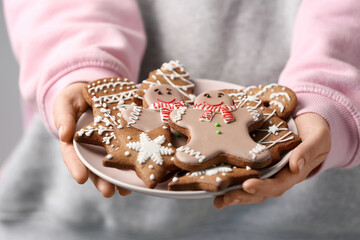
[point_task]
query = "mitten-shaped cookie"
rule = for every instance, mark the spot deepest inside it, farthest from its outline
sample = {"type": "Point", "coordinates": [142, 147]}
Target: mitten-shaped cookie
{"type": "Point", "coordinates": [107, 97]}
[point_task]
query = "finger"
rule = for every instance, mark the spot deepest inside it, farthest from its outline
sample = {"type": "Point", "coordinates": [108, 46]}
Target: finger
{"type": "Point", "coordinates": [76, 168]}
{"type": "Point", "coordinates": [315, 135]}
{"type": "Point", "coordinates": [107, 189]}
{"type": "Point", "coordinates": [219, 202]}
{"type": "Point", "coordinates": [68, 107]}
{"type": "Point", "coordinates": [237, 197]}
{"type": "Point", "coordinates": [272, 187]}
{"type": "Point", "coordinates": [123, 192]}
{"type": "Point", "coordinates": [64, 117]}
{"type": "Point", "coordinates": [283, 181]}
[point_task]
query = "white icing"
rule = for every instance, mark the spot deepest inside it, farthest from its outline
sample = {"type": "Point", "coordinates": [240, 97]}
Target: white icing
{"type": "Point", "coordinates": [107, 140]}
{"type": "Point", "coordinates": [107, 85]}
{"type": "Point", "coordinates": [278, 104]}
{"type": "Point", "coordinates": [218, 179]}
{"type": "Point", "coordinates": [109, 156]}
{"type": "Point", "coordinates": [191, 152]}
{"type": "Point", "coordinates": [118, 97]}
{"type": "Point", "coordinates": [283, 94]}
{"type": "Point", "coordinates": [256, 150]}
{"type": "Point", "coordinates": [212, 171]}
{"type": "Point", "coordinates": [175, 179]}
{"type": "Point", "coordinates": [134, 115]}
{"type": "Point", "coordinates": [148, 148]}
{"type": "Point", "coordinates": [248, 168]}
{"type": "Point", "coordinates": [267, 87]}
{"type": "Point", "coordinates": [127, 153]}
{"type": "Point", "coordinates": [169, 77]}
{"type": "Point", "coordinates": [181, 111]}
{"type": "Point", "coordinates": [279, 140]}
{"type": "Point", "coordinates": [152, 177]}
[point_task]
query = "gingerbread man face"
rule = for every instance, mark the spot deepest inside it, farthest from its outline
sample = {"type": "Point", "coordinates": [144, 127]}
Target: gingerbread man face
{"type": "Point", "coordinates": [213, 98]}
{"type": "Point", "coordinates": [163, 94]}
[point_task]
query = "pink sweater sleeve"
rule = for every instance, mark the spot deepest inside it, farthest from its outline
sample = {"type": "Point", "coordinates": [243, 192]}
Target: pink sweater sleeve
{"type": "Point", "coordinates": [65, 41]}
{"type": "Point", "coordinates": [324, 71]}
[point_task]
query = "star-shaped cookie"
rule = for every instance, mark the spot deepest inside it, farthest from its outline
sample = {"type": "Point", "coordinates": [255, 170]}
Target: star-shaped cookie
{"type": "Point", "coordinates": [145, 138]}
{"type": "Point", "coordinates": [216, 178]}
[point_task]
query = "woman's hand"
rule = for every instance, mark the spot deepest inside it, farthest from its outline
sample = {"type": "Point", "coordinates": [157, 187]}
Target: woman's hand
{"type": "Point", "coordinates": [315, 135]}
{"type": "Point", "coordinates": [68, 107]}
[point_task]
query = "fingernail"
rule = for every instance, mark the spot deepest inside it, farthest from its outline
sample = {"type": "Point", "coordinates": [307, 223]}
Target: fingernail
{"type": "Point", "coordinates": [61, 129]}
{"type": "Point", "coordinates": [301, 163]}
{"type": "Point", "coordinates": [251, 190]}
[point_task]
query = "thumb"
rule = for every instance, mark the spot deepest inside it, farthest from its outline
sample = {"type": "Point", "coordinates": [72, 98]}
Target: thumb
{"type": "Point", "coordinates": [315, 135]}
{"type": "Point", "coordinates": [68, 106]}
{"type": "Point", "coordinates": [64, 117]}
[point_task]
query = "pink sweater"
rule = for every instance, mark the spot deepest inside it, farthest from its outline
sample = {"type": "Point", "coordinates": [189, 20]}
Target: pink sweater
{"type": "Point", "coordinates": [61, 42]}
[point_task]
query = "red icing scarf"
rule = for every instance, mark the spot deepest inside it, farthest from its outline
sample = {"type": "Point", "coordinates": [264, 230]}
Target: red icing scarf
{"type": "Point", "coordinates": [209, 111]}
{"type": "Point", "coordinates": [165, 109]}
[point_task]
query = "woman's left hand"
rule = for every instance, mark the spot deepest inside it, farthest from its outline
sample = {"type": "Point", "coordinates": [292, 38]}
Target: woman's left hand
{"type": "Point", "coordinates": [305, 158]}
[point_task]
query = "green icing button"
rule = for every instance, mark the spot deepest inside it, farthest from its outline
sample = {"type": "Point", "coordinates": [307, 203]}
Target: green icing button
{"type": "Point", "coordinates": [177, 135]}
{"type": "Point", "coordinates": [218, 132]}
{"type": "Point", "coordinates": [217, 124]}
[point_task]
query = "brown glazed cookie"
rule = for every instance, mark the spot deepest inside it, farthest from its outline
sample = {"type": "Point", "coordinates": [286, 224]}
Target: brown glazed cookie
{"type": "Point", "coordinates": [274, 96]}
{"type": "Point", "coordinates": [213, 179]}
{"type": "Point", "coordinates": [107, 97]}
{"type": "Point", "coordinates": [218, 132]}
{"type": "Point", "coordinates": [145, 138]}
{"type": "Point", "coordinates": [274, 133]}
{"type": "Point", "coordinates": [172, 73]}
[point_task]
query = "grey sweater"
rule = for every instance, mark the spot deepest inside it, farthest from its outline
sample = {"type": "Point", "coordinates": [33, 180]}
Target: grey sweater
{"type": "Point", "coordinates": [244, 42]}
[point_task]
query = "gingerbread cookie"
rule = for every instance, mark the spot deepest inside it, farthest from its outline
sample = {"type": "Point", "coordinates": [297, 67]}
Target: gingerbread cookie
{"type": "Point", "coordinates": [215, 178]}
{"type": "Point", "coordinates": [274, 133]}
{"type": "Point", "coordinates": [279, 98]}
{"type": "Point", "coordinates": [172, 73]}
{"type": "Point", "coordinates": [107, 97]}
{"type": "Point", "coordinates": [218, 132]}
{"type": "Point", "coordinates": [145, 138]}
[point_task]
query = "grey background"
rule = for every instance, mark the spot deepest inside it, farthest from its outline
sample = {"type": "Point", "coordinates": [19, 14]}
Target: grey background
{"type": "Point", "coordinates": [10, 120]}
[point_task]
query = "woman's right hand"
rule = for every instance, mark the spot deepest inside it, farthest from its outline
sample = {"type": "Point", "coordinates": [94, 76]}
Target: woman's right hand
{"type": "Point", "coordinates": [68, 107]}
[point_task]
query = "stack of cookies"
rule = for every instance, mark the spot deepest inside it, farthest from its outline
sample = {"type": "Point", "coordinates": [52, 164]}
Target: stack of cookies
{"type": "Point", "coordinates": [163, 131]}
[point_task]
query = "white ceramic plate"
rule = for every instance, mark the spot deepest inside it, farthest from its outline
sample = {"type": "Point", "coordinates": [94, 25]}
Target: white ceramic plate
{"type": "Point", "coordinates": [92, 157]}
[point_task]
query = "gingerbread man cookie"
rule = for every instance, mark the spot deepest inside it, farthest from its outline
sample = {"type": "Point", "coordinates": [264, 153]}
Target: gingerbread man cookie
{"type": "Point", "coordinates": [172, 73]}
{"type": "Point", "coordinates": [107, 97]}
{"type": "Point", "coordinates": [275, 133]}
{"type": "Point", "coordinates": [145, 138]}
{"type": "Point", "coordinates": [215, 178]}
{"type": "Point", "coordinates": [218, 132]}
